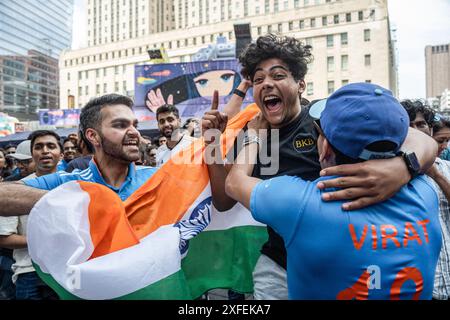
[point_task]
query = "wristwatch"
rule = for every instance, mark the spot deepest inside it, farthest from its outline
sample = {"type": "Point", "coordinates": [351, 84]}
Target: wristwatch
{"type": "Point", "coordinates": [411, 162]}
{"type": "Point", "coordinates": [239, 93]}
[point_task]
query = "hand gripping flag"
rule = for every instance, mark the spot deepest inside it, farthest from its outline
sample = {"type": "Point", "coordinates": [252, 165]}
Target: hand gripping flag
{"type": "Point", "coordinates": [166, 241]}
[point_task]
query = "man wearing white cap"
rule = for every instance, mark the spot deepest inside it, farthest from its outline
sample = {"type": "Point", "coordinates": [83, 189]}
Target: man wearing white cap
{"type": "Point", "coordinates": [24, 161]}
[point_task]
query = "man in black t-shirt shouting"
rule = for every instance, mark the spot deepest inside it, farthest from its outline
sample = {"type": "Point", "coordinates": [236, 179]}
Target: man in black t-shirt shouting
{"type": "Point", "coordinates": [276, 67]}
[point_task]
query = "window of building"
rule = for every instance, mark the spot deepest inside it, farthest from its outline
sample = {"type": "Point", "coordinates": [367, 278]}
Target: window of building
{"type": "Point", "coordinates": [280, 27]}
{"type": "Point", "coordinates": [97, 89]}
{"type": "Point", "coordinates": [105, 88]}
{"type": "Point", "coordinates": [330, 40]}
{"type": "Point", "coordinates": [344, 82]}
{"type": "Point", "coordinates": [97, 73]}
{"type": "Point", "coordinates": [344, 39]}
{"type": "Point", "coordinates": [324, 21]}
{"type": "Point", "coordinates": [116, 87]}
{"type": "Point", "coordinates": [275, 5]}
{"type": "Point", "coordinates": [330, 64]}
{"type": "Point", "coordinates": [344, 62]}
{"type": "Point", "coordinates": [330, 87]}
{"type": "Point", "coordinates": [306, 2]}
{"type": "Point", "coordinates": [313, 22]}
{"type": "Point", "coordinates": [124, 86]}
{"type": "Point", "coordinates": [68, 76]}
{"type": "Point", "coordinates": [259, 31]}
{"type": "Point", "coordinates": [348, 17]}
{"type": "Point", "coordinates": [116, 70]}
{"type": "Point", "coordinates": [291, 25]}
{"type": "Point", "coordinates": [80, 91]}
{"type": "Point", "coordinates": [367, 35]}
{"type": "Point", "coordinates": [368, 81]}
{"type": "Point", "coordinates": [367, 60]}
{"type": "Point", "coordinates": [336, 19]}
{"type": "Point", "coordinates": [296, 3]}
{"type": "Point", "coordinates": [86, 90]}
{"type": "Point", "coordinates": [269, 29]}
{"type": "Point", "coordinates": [310, 88]}
{"type": "Point", "coordinates": [360, 15]}
{"type": "Point", "coordinates": [308, 41]}
{"type": "Point", "coordinates": [80, 75]}
{"type": "Point", "coordinates": [301, 24]}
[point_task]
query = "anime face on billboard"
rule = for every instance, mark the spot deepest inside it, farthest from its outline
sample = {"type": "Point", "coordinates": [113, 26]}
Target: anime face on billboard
{"type": "Point", "coordinates": [189, 86]}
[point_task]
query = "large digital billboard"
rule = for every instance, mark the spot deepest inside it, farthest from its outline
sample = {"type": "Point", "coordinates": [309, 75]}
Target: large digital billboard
{"type": "Point", "coordinates": [189, 86]}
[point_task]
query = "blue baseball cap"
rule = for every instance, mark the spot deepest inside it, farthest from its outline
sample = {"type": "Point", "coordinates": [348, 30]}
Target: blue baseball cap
{"type": "Point", "coordinates": [360, 114]}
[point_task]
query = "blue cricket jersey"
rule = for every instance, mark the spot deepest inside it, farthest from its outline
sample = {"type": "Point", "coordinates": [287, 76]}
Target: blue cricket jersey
{"type": "Point", "coordinates": [385, 251]}
{"type": "Point", "coordinates": [136, 177]}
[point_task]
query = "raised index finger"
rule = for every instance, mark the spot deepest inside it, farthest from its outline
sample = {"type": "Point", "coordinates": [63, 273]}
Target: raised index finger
{"type": "Point", "coordinates": [215, 100]}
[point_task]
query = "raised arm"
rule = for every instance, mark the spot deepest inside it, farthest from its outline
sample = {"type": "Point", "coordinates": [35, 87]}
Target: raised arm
{"type": "Point", "coordinates": [240, 184]}
{"type": "Point", "coordinates": [233, 106]}
{"type": "Point", "coordinates": [213, 125]}
{"type": "Point", "coordinates": [17, 199]}
{"type": "Point", "coordinates": [375, 181]}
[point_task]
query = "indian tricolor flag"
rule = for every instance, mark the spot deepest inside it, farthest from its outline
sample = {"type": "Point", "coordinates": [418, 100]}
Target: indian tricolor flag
{"type": "Point", "coordinates": [165, 242]}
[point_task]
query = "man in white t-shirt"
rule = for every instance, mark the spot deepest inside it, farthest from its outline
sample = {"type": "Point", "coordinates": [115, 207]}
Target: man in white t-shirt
{"type": "Point", "coordinates": [45, 149]}
{"type": "Point", "coordinates": [169, 124]}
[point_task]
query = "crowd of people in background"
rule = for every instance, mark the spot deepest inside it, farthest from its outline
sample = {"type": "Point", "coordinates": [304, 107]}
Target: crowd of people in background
{"type": "Point", "coordinates": [109, 146]}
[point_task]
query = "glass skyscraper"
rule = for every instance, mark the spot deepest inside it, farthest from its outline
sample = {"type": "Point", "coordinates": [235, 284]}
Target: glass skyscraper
{"type": "Point", "coordinates": [32, 35]}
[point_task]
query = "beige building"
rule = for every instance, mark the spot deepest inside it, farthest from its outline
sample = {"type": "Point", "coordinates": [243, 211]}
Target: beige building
{"type": "Point", "coordinates": [437, 63]}
{"type": "Point", "coordinates": [118, 20]}
{"type": "Point", "coordinates": [445, 101]}
{"type": "Point", "coordinates": [351, 42]}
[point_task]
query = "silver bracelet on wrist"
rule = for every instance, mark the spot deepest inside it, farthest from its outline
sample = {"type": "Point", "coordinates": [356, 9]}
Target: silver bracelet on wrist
{"type": "Point", "coordinates": [248, 139]}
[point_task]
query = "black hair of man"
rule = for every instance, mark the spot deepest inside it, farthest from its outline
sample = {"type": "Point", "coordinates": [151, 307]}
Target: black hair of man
{"type": "Point", "coordinates": [413, 107]}
{"type": "Point", "coordinates": [10, 146]}
{"type": "Point", "coordinates": [441, 124]}
{"type": "Point", "coordinates": [290, 50]}
{"type": "Point", "coordinates": [167, 108]}
{"type": "Point", "coordinates": [41, 133]}
{"type": "Point", "coordinates": [68, 140]}
{"type": "Point", "coordinates": [150, 148]}
{"type": "Point", "coordinates": [91, 116]}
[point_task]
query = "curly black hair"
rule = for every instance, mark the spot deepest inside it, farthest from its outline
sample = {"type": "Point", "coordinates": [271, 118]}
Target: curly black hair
{"type": "Point", "coordinates": [290, 50]}
{"type": "Point", "coordinates": [413, 107]}
{"type": "Point", "coordinates": [441, 124]}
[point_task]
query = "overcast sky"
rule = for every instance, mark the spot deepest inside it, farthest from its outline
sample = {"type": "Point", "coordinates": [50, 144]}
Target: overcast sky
{"type": "Point", "coordinates": [419, 23]}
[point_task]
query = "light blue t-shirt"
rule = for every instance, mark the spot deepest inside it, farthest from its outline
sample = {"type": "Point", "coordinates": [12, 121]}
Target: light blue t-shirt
{"type": "Point", "coordinates": [62, 165]}
{"type": "Point", "coordinates": [394, 246]}
{"type": "Point", "coordinates": [136, 177]}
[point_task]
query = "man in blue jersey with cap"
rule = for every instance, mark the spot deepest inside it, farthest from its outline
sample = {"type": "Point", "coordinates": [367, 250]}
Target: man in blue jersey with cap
{"type": "Point", "coordinates": [385, 251]}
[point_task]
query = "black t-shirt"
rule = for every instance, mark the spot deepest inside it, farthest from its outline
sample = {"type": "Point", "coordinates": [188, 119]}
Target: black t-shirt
{"type": "Point", "coordinates": [298, 156]}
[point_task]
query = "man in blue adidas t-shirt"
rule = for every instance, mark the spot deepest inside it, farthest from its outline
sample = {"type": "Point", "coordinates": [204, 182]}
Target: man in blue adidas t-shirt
{"type": "Point", "coordinates": [385, 251]}
{"type": "Point", "coordinates": [110, 126]}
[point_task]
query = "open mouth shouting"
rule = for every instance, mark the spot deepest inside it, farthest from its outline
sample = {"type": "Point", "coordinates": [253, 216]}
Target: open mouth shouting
{"type": "Point", "coordinates": [132, 143]}
{"type": "Point", "coordinates": [272, 103]}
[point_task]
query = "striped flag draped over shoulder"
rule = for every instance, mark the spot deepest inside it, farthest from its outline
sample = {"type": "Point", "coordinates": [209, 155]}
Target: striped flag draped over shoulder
{"type": "Point", "coordinates": [166, 241]}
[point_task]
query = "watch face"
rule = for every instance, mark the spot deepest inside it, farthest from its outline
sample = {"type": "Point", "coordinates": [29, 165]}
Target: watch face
{"type": "Point", "coordinates": [413, 162]}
